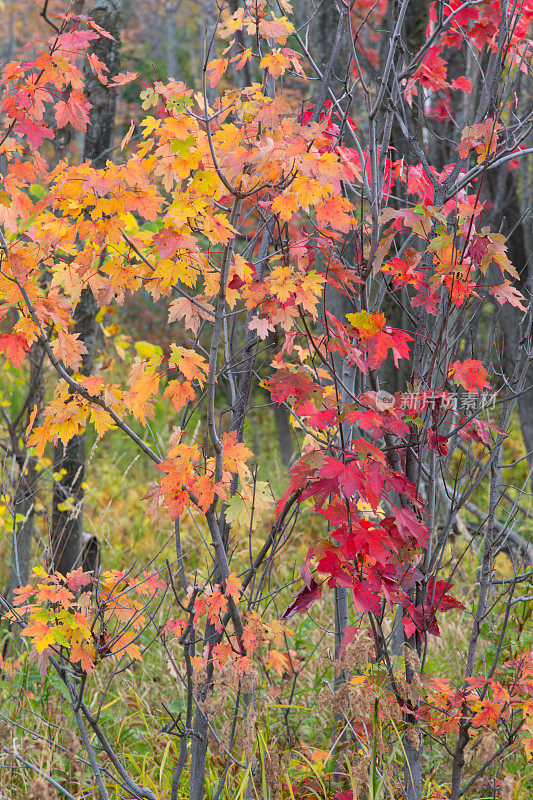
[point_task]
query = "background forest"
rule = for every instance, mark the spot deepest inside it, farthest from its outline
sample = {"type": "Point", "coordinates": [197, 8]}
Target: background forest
{"type": "Point", "coordinates": [266, 400]}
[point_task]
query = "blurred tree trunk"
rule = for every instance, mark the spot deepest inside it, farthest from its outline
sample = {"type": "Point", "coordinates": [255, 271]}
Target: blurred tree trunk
{"type": "Point", "coordinates": [27, 477]}
{"type": "Point", "coordinates": [393, 379]}
{"type": "Point", "coordinates": [511, 214]}
{"type": "Point", "coordinates": [242, 77]}
{"type": "Point", "coordinates": [284, 431]}
{"type": "Point", "coordinates": [171, 38]}
{"type": "Point", "coordinates": [69, 460]}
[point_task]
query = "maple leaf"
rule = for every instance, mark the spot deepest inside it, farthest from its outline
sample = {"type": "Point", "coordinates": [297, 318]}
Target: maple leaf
{"type": "Point", "coordinates": [234, 453]}
{"type": "Point", "coordinates": [241, 59]}
{"type": "Point", "coordinates": [233, 586]}
{"type": "Point", "coordinates": [262, 327]}
{"type": "Point", "coordinates": [125, 141]}
{"type": "Point", "coordinates": [335, 212]}
{"type": "Point", "coordinates": [144, 383]}
{"type": "Point", "coordinates": [285, 205]}
{"type": "Point", "coordinates": [150, 584]}
{"type": "Point", "coordinates": [122, 78]}
{"type": "Point", "coordinates": [215, 70]}
{"type": "Point", "coordinates": [288, 382]}
{"type": "Point", "coordinates": [69, 350]}
{"type": "Point", "coordinates": [278, 661]}
{"type": "Point", "coordinates": [125, 644]}
{"type": "Point", "coordinates": [22, 594]}
{"type": "Point", "coordinates": [410, 526]}
{"type": "Point", "coordinates": [190, 363]}
{"type": "Point", "coordinates": [15, 347]}
{"type": "Point", "coordinates": [55, 594]}
{"type": "Point", "coordinates": [470, 374]}
{"type": "Point", "coordinates": [366, 324]}
{"type": "Point", "coordinates": [41, 659]}
{"type": "Point", "coordinates": [180, 392]}
{"type": "Point", "coordinates": [364, 598]}
{"type": "Point", "coordinates": [417, 219]}
{"type": "Point", "coordinates": [463, 84]}
{"type": "Point", "coordinates": [487, 714]}
{"type": "Point", "coordinates": [83, 654]}
{"type": "Point", "coordinates": [438, 596]}
{"type": "Point", "coordinates": [218, 229]}
{"type": "Point", "coordinates": [216, 603]}
{"type": "Point", "coordinates": [170, 241]}
{"type": "Point", "coordinates": [101, 420]}
{"type": "Point", "coordinates": [35, 132]}
{"type": "Point", "coordinates": [483, 137]}
{"type": "Point", "coordinates": [205, 491]}
{"type": "Point", "coordinates": [437, 443]}
{"type": "Point", "coordinates": [245, 508]}
{"type": "Point", "coordinates": [183, 308]}
{"type": "Point", "coordinates": [277, 29]}
{"type": "Point", "coordinates": [478, 431]}
{"type": "Point", "coordinates": [74, 110]}
{"type": "Point", "coordinates": [41, 634]}
{"type": "Point", "coordinates": [98, 67]}
{"type": "Point", "coordinates": [174, 627]}
{"type": "Point", "coordinates": [506, 293]}
{"type": "Point", "coordinates": [276, 62]}
{"type": "Point", "coordinates": [305, 598]}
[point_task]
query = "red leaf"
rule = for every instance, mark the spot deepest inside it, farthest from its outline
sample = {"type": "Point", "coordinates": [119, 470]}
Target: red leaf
{"type": "Point", "coordinates": [15, 347]}
{"type": "Point", "coordinates": [365, 600]}
{"type": "Point", "coordinates": [470, 374]}
{"type": "Point", "coordinates": [408, 525]}
{"type": "Point", "coordinates": [35, 132]}
{"type": "Point", "coordinates": [77, 579]}
{"type": "Point", "coordinates": [305, 597]}
{"type": "Point", "coordinates": [437, 443]}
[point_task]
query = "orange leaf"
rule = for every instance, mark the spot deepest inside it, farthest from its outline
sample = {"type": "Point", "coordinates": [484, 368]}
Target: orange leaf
{"type": "Point", "coordinates": [84, 654]}
{"type": "Point", "coordinates": [505, 293]}
{"type": "Point", "coordinates": [41, 634]}
{"type": "Point", "coordinates": [215, 69]}
{"type": "Point", "coordinates": [68, 349]}
{"type": "Point", "coordinates": [123, 78]}
{"type": "Point", "coordinates": [233, 586]}
{"type": "Point", "coordinates": [335, 212]}
{"type": "Point", "coordinates": [180, 393]}
{"type": "Point", "coordinates": [234, 453]}
{"type": "Point", "coordinates": [205, 491]}
{"type": "Point", "coordinates": [190, 363]}
{"type": "Point", "coordinates": [74, 110]}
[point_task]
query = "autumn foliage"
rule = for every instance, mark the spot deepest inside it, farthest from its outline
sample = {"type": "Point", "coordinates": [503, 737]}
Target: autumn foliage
{"type": "Point", "coordinates": [242, 211]}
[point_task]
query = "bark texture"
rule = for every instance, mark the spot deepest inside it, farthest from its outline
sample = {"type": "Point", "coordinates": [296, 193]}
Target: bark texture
{"type": "Point", "coordinates": [512, 216]}
{"type": "Point", "coordinates": [70, 460]}
{"type": "Point", "coordinates": [24, 501]}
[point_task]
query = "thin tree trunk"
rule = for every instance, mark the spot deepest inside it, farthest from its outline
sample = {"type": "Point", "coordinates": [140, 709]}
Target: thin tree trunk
{"type": "Point", "coordinates": [70, 460]}
{"type": "Point", "coordinates": [515, 221]}
{"type": "Point", "coordinates": [171, 39]}
{"type": "Point", "coordinates": [24, 502]}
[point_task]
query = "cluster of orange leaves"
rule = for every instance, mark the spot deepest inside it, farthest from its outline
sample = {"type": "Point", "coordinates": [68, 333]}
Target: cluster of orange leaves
{"type": "Point", "coordinates": [487, 702]}
{"type": "Point", "coordinates": [239, 647]}
{"type": "Point", "coordinates": [83, 620]}
{"type": "Point", "coordinates": [87, 228]}
{"type": "Point", "coordinates": [164, 219]}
